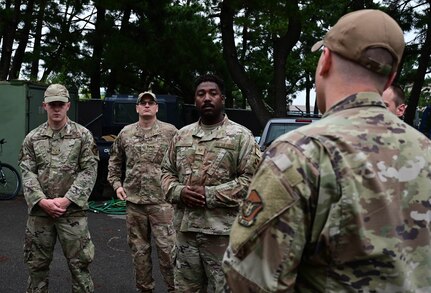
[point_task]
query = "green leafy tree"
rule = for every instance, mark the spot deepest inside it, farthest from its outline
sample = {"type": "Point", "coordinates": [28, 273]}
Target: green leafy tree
{"type": "Point", "coordinates": [260, 48]}
{"type": "Point", "coordinates": [10, 19]}
{"type": "Point", "coordinates": [277, 38]}
{"type": "Point", "coordinates": [417, 54]}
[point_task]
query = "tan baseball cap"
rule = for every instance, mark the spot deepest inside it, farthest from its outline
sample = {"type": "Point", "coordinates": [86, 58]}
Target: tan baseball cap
{"type": "Point", "coordinates": [56, 93]}
{"type": "Point", "coordinates": [146, 94]}
{"type": "Point", "coordinates": [360, 30]}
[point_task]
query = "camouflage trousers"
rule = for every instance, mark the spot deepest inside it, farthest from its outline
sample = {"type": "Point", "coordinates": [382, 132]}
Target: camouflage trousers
{"type": "Point", "coordinates": [40, 237]}
{"type": "Point", "coordinates": [198, 262]}
{"type": "Point", "coordinates": [142, 221]}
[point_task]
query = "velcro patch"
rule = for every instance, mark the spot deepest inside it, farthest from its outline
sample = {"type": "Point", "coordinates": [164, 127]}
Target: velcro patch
{"type": "Point", "coordinates": [293, 177]}
{"type": "Point", "coordinates": [224, 145]}
{"type": "Point", "coordinates": [184, 143]}
{"type": "Point", "coordinates": [282, 162]}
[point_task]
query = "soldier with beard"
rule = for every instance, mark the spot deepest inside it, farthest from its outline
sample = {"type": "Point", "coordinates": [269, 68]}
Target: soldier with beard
{"type": "Point", "coordinates": [206, 173]}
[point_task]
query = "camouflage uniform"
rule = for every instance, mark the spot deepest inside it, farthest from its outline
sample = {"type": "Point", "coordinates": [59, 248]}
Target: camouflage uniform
{"type": "Point", "coordinates": [223, 160]}
{"type": "Point", "coordinates": [340, 205]}
{"type": "Point", "coordinates": [147, 211]}
{"type": "Point", "coordinates": [53, 165]}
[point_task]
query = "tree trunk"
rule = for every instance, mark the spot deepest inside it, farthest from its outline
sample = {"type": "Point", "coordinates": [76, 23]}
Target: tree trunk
{"type": "Point", "coordinates": [112, 78]}
{"type": "Point", "coordinates": [37, 41]}
{"type": "Point", "coordinates": [63, 42]}
{"type": "Point", "coordinates": [95, 70]}
{"type": "Point", "coordinates": [282, 47]}
{"type": "Point", "coordinates": [423, 61]}
{"type": "Point", "coordinates": [23, 41]}
{"type": "Point", "coordinates": [316, 109]}
{"type": "Point", "coordinates": [3, 20]}
{"type": "Point", "coordinates": [8, 39]}
{"type": "Point", "coordinates": [361, 4]}
{"type": "Point", "coordinates": [236, 70]}
{"type": "Point", "coordinates": [307, 92]}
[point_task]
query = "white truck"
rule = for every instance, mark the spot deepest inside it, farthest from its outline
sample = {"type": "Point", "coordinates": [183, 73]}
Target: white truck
{"type": "Point", "coordinates": [278, 126]}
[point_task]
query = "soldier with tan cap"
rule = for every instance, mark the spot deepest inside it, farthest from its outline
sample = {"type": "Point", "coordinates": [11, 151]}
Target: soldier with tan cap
{"type": "Point", "coordinates": [343, 204]}
{"type": "Point", "coordinates": [140, 147]}
{"type": "Point", "coordinates": [58, 162]}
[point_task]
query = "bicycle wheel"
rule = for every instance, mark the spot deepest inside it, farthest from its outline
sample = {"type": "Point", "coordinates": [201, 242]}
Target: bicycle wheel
{"type": "Point", "coordinates": [10, 182]}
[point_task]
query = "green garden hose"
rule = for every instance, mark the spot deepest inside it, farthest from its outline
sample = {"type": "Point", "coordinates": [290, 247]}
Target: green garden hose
{"type": "Point", "coordinates": [111, 207]}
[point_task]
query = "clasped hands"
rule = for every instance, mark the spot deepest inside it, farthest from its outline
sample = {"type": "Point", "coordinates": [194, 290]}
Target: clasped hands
{"type": "Point", "coordinates": [55, 207]}
{"type": "Point", "coordinates": [193, 196]}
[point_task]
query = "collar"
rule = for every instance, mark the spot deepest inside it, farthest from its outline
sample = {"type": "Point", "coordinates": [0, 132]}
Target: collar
{"type": "Point", "coordinates": [48, 131]}
{"type": "Point", "coordinates": [154, 130]}
{"type": "Point", "coordinates": [362, 99]}
{"type": "Point", "coordinates": [218, 132]}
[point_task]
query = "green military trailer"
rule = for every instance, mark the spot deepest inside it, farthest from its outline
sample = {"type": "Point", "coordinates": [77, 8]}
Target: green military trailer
{"type": "Point", "coordinates": [21, 111]}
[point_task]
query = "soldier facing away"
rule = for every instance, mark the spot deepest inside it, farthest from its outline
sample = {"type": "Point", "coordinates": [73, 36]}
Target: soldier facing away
{"type": "Point", "coordinates": [141, 147]}
{"type": "Point", "coordinates": [58, 161]}
{"type": "Point", "coordinates": [206, 173]}
{"type": "Point", "coordinates": [343, 204]}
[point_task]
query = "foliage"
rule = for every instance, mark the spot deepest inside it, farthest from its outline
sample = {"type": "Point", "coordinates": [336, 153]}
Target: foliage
{"type": "Point", "coordinates": [130, 46]}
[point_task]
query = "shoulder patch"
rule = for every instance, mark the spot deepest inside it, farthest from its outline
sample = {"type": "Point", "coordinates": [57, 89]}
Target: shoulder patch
{"type": "Point", "coordinates": [269, 195]}
{"type": "Point", "coordinates": [250, 208]}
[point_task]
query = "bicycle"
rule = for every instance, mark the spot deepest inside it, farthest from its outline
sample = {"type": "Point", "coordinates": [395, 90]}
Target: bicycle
{"type": "Point", "coordinates": [10, 181]}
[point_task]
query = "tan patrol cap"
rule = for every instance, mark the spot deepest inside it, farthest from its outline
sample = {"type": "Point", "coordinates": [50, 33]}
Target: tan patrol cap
{"type": "Point", "coordinates": [149, 94]}
{"type": "Point", "coordinates": [56, 93]}
{"type": "Point", "coordinates": [360, 30]}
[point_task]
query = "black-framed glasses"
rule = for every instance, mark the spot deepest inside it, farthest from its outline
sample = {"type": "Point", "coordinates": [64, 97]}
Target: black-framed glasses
{"type": "Point", "coordinates": [149, 103]}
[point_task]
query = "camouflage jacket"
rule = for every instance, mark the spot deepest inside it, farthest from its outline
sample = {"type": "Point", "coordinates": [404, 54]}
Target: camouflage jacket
{"type": "Point", "coordinates": [142, 152]}
{"type": "Point", "coordinates": [343, 204]}
{"type": "Point", "coordinates": [62, 165]}
{"type": "Point", "coordinates": [223, 161]}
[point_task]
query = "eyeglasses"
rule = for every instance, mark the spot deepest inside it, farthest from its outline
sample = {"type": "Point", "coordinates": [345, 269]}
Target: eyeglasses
{"type": "Point", "coordinates": [149, 103]}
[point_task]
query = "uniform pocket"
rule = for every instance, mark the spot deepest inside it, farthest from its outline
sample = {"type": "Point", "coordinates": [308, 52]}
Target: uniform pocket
{"type": "Point", "coordinates": [28, 242]}
{"type": "Point", "coordinates": [87, 250]}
